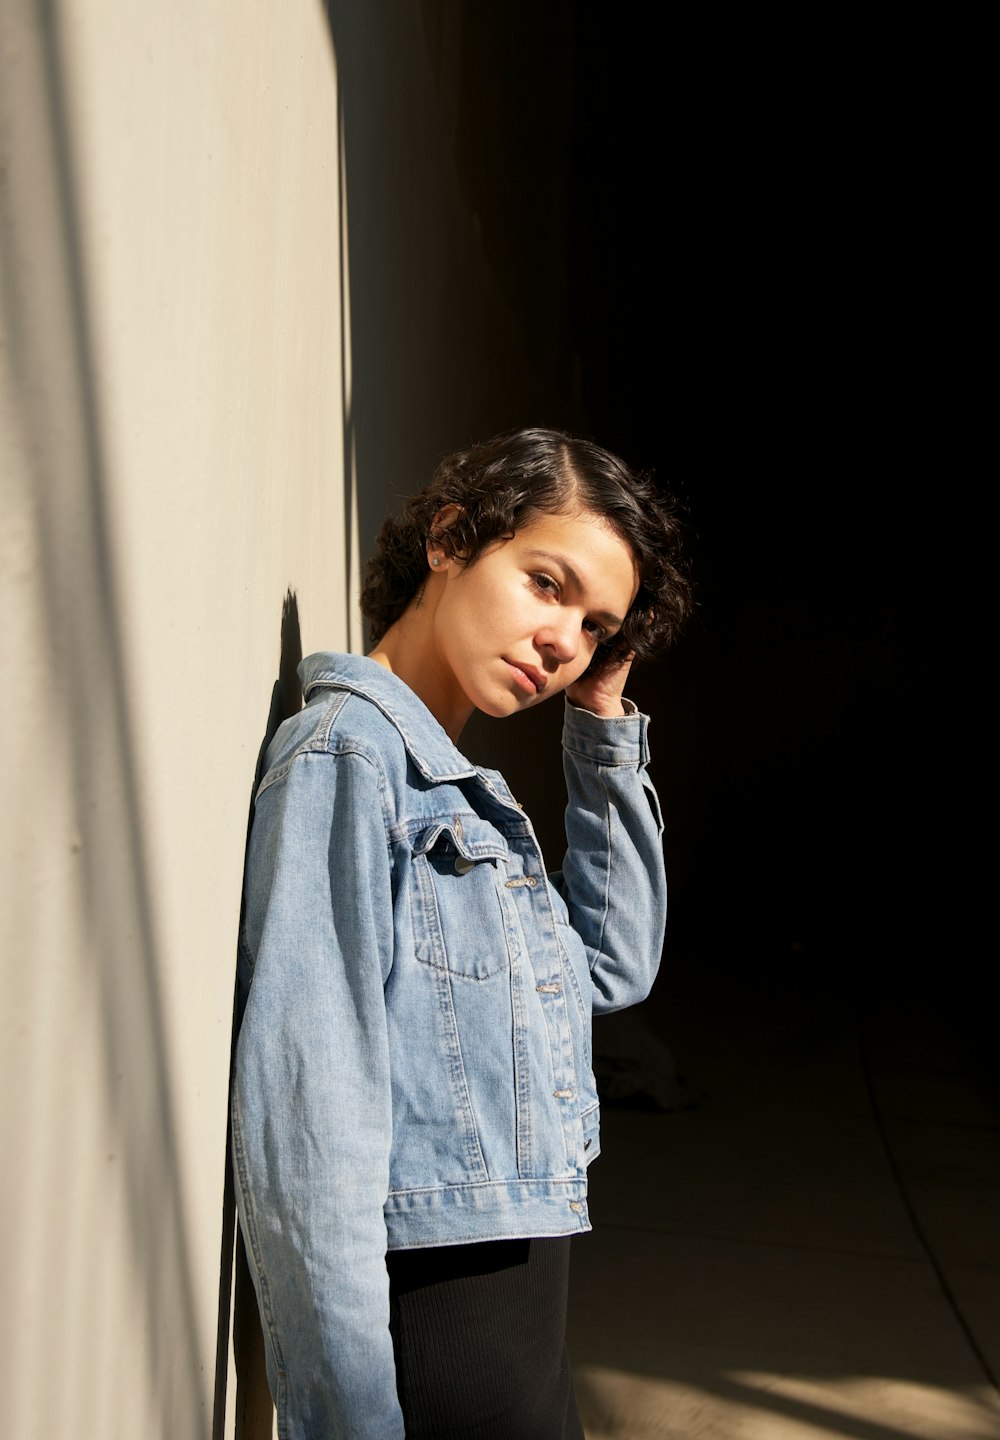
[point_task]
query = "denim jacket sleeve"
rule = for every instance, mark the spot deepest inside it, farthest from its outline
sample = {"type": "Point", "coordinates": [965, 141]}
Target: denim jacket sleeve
{"type": "Point", "coordinates": [612, 878]}
{"type": "Point", "coordinates": [311, 1101]}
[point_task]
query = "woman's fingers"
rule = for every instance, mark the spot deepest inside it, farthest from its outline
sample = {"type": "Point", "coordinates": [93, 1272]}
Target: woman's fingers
{"type": "Point", "coordinates": [602, 694]}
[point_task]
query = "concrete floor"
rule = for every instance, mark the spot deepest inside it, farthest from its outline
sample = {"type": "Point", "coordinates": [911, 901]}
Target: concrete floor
{"type": "Point", "coordinates": [775, 1263]}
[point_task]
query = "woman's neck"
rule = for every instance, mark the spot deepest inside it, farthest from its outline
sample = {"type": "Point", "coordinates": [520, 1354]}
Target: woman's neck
{"type": "Point", "coordinates": [407, 651]}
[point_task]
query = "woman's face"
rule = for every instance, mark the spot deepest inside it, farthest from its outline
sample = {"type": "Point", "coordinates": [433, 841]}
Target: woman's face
{"type": "Point", "coordinates": [523, 621]}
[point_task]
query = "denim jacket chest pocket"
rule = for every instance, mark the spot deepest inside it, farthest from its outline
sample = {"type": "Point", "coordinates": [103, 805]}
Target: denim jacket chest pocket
{"type": "Point", "coordinates": [458, 870]}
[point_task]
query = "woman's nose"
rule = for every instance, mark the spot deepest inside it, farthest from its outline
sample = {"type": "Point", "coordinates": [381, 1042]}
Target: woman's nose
{"type": "Point", "coordinates": [560, 639]}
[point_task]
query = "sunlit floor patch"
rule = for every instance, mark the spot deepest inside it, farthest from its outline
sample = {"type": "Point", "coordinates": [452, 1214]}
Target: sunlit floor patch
{"type": "Point", "coordinates": [747, 1405]}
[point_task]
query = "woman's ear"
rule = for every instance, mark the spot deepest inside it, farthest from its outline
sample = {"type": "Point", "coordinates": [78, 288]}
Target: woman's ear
{"type": "Point", "coordinates": [439, 551]}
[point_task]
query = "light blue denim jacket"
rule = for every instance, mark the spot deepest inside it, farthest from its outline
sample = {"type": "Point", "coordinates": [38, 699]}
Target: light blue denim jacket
{"type": "Point", "coordinates": [413, 1066]}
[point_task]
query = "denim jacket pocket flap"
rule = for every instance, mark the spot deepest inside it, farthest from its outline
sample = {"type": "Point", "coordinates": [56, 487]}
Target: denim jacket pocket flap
{"type": "Point", "coordinates": [466, 839]}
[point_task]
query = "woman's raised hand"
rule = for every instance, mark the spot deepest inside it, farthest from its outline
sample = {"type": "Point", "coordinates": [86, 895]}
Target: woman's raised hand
{"type": "Point", "coordinates": [601, 694]}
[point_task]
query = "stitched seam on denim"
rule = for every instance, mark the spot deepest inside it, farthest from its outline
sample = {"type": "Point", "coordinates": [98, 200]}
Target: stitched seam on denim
{"type": "Point", "coordinates": [608, 853]}
{"type": "Point", "coordinates": [607, 755]}
{"type": "Point", "coordinates": [308, 750]}
{"type": "Point", "coordinates": [473, 1146]}
{"type": "Point", "coordinates": [656, 809]}
{"type": "Point", "coordinates": [316, 740]}
{"type": "Point", "coordinates": [608, 749]}
{"type": "Point", "coordinates": [322, 732]}
{"type": "Point", "coordinates": [419, 757]}
{"type": "Point", "coordinates": [523, 1132]}
{"type": "Point", "coordinates": [547, 891]}
{"type": "Point", "coordinates": [585, 1021]}
{"type": "Point", "coordinates": [357, 750]}
{"type": "Point", "coordinates": [569, 1125]}
{"type": "Point", "coordinates": [563, 1182]}
{"type": "Point", "coordinates": [249, 1221]}
{"type": "Point", "coordinates": [531, 1233]}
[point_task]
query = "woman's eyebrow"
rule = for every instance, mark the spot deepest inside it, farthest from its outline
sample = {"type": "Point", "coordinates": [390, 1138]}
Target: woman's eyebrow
{"type": "Point", "coordinates": [612, 622]}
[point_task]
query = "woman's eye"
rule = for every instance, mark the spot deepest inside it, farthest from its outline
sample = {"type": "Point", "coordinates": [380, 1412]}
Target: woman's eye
{"type": "Point", "coordinates": [545, 584]}
{"type": "Point", "coordinates": [595, 631]}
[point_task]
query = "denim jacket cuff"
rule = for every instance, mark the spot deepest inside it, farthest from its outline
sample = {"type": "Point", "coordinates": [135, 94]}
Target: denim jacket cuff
{"type": "Point", "coordinates": [620, 740]}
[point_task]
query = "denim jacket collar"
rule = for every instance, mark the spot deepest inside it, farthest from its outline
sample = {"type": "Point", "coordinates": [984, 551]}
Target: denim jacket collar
{"type": "Point", "coordinates": [427, 743]}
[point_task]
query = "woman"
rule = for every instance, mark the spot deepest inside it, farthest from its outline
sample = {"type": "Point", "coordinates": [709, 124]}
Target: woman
{"type": "Point", "coordinates": [414, 1107]}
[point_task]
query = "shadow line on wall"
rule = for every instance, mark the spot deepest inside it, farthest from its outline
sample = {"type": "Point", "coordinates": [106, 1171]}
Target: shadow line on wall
{"type": "Point", "coordinates": [88, 717]}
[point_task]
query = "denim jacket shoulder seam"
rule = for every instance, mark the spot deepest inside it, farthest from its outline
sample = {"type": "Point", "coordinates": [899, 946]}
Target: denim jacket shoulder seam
{"type": "Point", "coordinates": [324, 740]}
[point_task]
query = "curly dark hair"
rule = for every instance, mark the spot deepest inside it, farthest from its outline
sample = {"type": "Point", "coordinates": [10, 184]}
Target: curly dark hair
{"type": "Point", "coordinates": [498, 488]}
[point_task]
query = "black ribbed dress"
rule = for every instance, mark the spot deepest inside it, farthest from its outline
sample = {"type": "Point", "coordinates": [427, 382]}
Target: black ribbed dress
{"type": "Point", "coordinates": [479, 1334]}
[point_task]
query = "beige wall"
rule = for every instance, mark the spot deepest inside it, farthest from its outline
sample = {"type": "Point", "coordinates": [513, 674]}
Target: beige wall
{"type": "Point", "coordinates": [171, 463]}
{"type": "Point", "coordinates": [177, 397]}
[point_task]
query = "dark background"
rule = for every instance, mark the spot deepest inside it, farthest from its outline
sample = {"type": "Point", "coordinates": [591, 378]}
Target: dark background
{"type": "Point", "coordinates": [746, 253]}
{"type": "Point", "coordinates": [763, 231]}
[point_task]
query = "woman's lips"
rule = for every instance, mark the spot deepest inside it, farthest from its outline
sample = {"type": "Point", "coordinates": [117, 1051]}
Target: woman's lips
{"type": "Point", "coordinates": [528, 677]}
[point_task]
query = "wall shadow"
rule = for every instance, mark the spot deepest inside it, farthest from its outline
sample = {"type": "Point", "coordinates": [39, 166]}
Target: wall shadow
{"type": "Point", "coordinates": [237, 1299]}
{"type": "Point", "coordinates": [52, 364]}
{"type": "Point", "coordinates": [456, 329]}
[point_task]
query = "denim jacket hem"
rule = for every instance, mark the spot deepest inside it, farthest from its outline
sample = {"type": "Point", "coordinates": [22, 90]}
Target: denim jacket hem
{"type": "Point", "coordinates": [499, 1210]}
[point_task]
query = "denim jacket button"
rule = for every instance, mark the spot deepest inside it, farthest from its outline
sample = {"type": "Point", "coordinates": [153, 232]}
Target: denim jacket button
{"type": "Point", "coordinates": [463, 866]}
